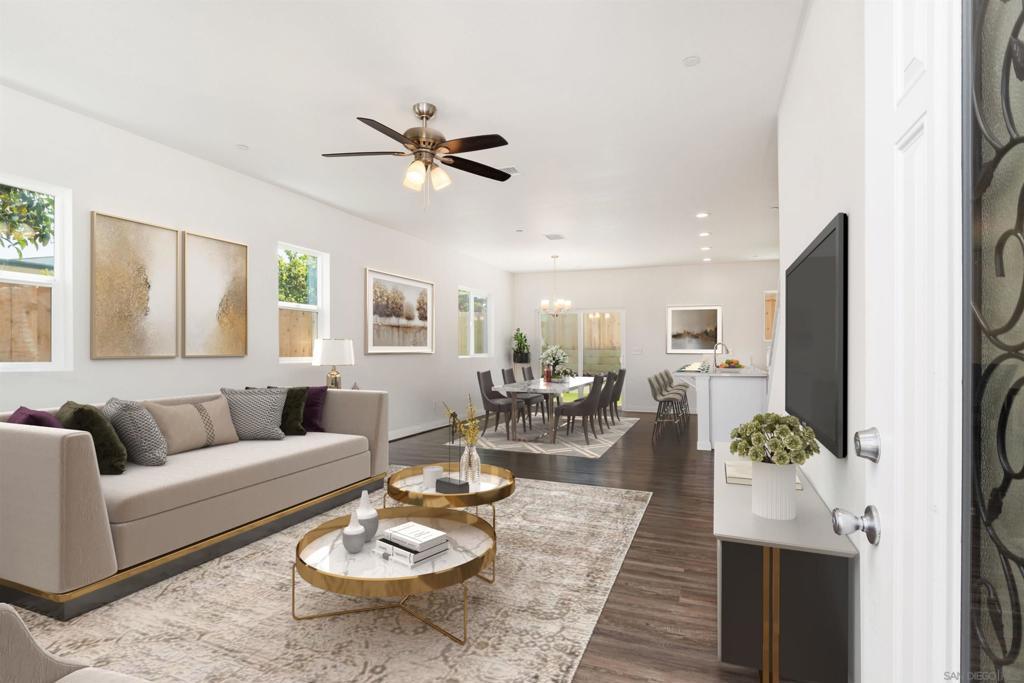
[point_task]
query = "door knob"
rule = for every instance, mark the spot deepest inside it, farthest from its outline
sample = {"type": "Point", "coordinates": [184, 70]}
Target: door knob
{"type": "Point", "coordinates": [867, 443]}
{"type": "Point", "coordinates": [845, 523]}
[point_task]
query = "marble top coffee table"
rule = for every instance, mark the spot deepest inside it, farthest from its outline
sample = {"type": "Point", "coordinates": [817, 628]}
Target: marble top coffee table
{"type": "Point", "coordinates": [322, 561]}
{"type": "Point", "coordinates": [496, 483]}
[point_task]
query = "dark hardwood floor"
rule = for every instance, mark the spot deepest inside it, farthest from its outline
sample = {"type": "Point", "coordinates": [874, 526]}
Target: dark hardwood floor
{"type": "Point", "coordinates": [659, 623]}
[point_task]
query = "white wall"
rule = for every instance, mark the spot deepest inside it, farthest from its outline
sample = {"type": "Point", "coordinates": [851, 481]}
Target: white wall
{"type": "Point", "coordinates": [116, 172]}
{"type": "Point", "coordinates": [821, 173]}
{"type": "Point", "coordinates": [644, 293]}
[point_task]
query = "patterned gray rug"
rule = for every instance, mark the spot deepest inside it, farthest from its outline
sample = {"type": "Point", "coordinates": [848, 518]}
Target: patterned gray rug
{"type": "Point", "coordinates": [230, 619]}
{"type": "Point", "coordinates": [574, 444]}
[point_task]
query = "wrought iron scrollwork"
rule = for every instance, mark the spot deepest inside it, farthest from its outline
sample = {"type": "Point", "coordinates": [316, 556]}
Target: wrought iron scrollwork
{"type": "Point", "coordinates": [996, 625]}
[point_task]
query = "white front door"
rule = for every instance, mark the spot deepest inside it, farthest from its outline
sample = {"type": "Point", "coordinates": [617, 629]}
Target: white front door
{"type": "Point", "coordinates": [909, 590]}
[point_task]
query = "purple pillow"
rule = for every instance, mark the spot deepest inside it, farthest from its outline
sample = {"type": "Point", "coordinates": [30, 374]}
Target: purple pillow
{"type": "Point", "coordinates": [38, 418]}
{"type": "Point", "coordinates": [313, 413]}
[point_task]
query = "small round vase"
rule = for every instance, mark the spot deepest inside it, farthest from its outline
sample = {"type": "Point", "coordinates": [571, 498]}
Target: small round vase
{"type": "Point", "coordinates": [352, 536]}
{"type": "Point", "coordinates": [368, 517]}
{"type": "Point", "coordinates": [469, 467]}
{"type": "Point", "coordinates": [773, 490]}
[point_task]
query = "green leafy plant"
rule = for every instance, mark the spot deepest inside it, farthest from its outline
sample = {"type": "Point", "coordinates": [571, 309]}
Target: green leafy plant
{"type": "Point", "coordinates": [774, 438]}
{"type": "Point", "coordinates": [519, 342]}
{"type": "Point", "coordinates": [26, 218]}
{"type": "Point", "coordinates": [294, 271]}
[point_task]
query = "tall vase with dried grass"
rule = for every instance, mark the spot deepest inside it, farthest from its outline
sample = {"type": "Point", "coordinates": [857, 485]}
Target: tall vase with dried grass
{"type": "Point", "coordinates": [468, 429]}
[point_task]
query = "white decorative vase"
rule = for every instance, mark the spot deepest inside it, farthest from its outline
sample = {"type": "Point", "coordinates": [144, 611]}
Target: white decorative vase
{"type": "Point", "coordinates": [367, 517]}
{"type": "Point", "coordinates": [352, 536]}
{"type": "Point", "coordinates": [469, 467]}
{"type": "Point", "coordinates": [773, 490]}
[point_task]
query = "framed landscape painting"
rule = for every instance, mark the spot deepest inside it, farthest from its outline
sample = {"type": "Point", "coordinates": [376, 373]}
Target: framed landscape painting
{"type": "Point", "coordinates": [216, 275]}
{"type": "Point", "coordinates": [134, 307]}
{"type": "Point", "coordinates": [693, 329]}
{"type": "Point", "coordinates": [399, 314]}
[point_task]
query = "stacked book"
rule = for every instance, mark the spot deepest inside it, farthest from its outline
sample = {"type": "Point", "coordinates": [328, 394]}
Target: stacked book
{"type": "Point", "coordinates": [412, 543]}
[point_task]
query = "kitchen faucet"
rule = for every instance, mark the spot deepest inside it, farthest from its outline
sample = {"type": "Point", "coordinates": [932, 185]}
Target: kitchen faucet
{"type": "Point", "coordinates": [725, 349]}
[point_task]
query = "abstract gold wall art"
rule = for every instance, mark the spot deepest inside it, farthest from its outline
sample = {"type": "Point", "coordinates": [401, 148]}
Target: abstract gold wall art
{"type": "Point", "coordinates": [134, 312]}
{"type": "Point", "coordinates": [216, 297]}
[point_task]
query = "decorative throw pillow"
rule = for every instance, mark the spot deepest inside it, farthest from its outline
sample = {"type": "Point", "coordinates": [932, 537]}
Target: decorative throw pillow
{"type": "Point", "coordinates": [256, 413]}
{"type": "Point", "coordinates": [294, 406]}
{"type": "Point", "coordinates": [37, 418]}
{"type": "Point", "coordinates": [111, 454]}
{"type": "Point", "coordinates": [312, 415]}
{"type": "Point", "coordinates": [189, 426]}
{"type": "Point", "coordinates": [138, 431]}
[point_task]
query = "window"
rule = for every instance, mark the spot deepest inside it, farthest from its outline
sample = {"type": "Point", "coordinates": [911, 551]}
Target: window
{"type": "Point", "coordinates": [302, 307]}
{"type": "Point", "coordinates": [474, 323]}
{"type": "Point", "coordinates": [35, 265]}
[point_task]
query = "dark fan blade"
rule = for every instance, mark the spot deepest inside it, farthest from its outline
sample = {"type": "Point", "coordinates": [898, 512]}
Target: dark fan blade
{"type": "Point", "coordinates": [393, 134]}
{"type": "Point", "coordinates": [474, 143]}
{"type": "Point", "coordinates": [364, 154]}
{"type": "Point", "coordinates": [476, 168]}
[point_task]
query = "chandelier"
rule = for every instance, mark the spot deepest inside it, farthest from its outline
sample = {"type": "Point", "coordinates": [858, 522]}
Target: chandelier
{"type": "Point", "coordinates": [554, 306]}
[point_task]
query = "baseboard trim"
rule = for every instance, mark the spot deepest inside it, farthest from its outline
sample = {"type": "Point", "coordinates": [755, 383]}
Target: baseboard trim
{"type": "Point", "coordinates": [67, 605]}
{"type": "Point", "coordinates": [414, 430]}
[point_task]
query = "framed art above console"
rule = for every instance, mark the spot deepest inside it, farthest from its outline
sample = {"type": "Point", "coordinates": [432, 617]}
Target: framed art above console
{"type": "Point", "coordinates": [134, 312]}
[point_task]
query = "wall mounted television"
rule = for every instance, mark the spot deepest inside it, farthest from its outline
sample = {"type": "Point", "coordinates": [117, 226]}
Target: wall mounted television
{"type": "Point", "coordinates": [816, 336]}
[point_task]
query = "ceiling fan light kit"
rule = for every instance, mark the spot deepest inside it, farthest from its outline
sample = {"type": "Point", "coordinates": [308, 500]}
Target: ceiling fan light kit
{"type": "Point", "coordinates": [431, 151]}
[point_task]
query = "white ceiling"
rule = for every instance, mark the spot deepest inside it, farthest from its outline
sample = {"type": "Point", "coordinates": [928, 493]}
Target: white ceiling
{"type": "Point", "coordinates": [618, 143]}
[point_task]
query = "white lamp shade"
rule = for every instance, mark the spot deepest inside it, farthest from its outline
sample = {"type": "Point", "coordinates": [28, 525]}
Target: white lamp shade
{"type": "Point", "coordinates": [333, 352]}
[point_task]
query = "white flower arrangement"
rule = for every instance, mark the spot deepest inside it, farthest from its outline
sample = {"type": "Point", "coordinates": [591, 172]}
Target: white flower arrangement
{"type": "Point", "coordinates": [554, 356]}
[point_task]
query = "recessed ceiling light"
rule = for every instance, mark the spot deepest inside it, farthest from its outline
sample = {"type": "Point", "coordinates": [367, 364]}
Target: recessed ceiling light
{"type": "Point", "coordinates": [242, 148]}
{"type": "Point", "coordinates": [703, 214]}
{"type": "Point", "coordinates": [706, 260]}
{"type": "Point", "coordinates": [553, 236]}
{"type": "Point", "coordinates": [520, 229]}
{"type": "Point", "coordinates": [705, 248]}
{"type": "Point", "coordinates": [692, 60]}
{"type": "Point", "coordinates": [704, 234]}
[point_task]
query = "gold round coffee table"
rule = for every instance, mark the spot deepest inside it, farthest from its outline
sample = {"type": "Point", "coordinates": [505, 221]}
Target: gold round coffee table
{"type": "Point", "coordinates": [322, 561]}
{"type": "Point", "coordinates": [496, 483]}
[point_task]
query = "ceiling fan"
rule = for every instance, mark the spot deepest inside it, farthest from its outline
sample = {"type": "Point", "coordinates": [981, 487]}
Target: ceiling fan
{"type": "Point", "coordinates": [431, 151]}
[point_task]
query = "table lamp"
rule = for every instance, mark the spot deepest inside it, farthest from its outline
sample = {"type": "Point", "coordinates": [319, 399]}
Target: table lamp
{"type": "Point", "coordinates": [333, 352]}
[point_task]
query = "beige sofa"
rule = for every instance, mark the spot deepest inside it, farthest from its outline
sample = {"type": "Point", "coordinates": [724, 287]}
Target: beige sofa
{"type": "Point", "coordinates": [64, 527]}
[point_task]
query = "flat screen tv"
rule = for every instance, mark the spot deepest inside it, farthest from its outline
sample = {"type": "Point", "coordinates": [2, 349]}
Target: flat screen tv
{"type": "Point", "coordinates": [816, 336]}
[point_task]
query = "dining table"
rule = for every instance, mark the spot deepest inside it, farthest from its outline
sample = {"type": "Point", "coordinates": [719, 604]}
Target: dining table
{"type": "Point", "coordinates": [550, 390]}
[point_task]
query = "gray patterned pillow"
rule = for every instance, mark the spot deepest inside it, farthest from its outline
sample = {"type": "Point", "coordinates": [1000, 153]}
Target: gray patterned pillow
{"type": "Point", "coordinates": [256, 413]}
{"type": "Point", "coordinates": [137, 430]}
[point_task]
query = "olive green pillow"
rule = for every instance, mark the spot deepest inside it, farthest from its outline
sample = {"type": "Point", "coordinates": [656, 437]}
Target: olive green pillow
{"type": "Point", "coordinates": [111, 455]}
{"type": "Point", "coordinates": [291, 416]}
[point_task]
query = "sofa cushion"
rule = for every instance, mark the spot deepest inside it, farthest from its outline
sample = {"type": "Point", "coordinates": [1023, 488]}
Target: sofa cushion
{"type": "Point", "coordinates": [36, 418]}
{"type": "Point", "coordinates": [256, 413]}
{"type": "Point", "coordinates": [188, 426]}
{"type": "Point", "coordinates": [197, 475]}
{"type": "Point", "coordinates": [313, 413]}
{"type": "Point", "coordinates": [111, 455]}
{"type": "Point", "coordinates": [138, 431]}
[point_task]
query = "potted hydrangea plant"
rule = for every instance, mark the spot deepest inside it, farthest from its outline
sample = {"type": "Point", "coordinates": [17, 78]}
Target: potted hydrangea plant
{"type": "Point", "coordinates": [775, 444]}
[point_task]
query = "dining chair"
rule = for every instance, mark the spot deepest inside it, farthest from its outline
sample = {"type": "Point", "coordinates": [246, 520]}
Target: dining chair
{"type": "Point", "coordinates": [527, 373]}
{"type": "Point", "coordinates": [604, 405]}
{"type": "Point", "coordinates": [620, 381]}
{"type": "Point", "coordinates": [585, 408]}
{"type": "Point", "coordinates": [533, 401]}
{"type": "Point", "coordinates": [494, 402]}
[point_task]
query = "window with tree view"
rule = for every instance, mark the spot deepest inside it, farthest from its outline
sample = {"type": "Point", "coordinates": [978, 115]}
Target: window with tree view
{"type": "Point", "coordinates": [301, 290]}
{"type": "Point", "coordinates": [474, 323]}
{"type": "Point", "coordinates": [28, 237]}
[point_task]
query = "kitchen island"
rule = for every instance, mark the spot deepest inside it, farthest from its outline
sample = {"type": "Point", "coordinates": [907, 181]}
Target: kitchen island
{"type": "Point", "coordinates": [725, 399]}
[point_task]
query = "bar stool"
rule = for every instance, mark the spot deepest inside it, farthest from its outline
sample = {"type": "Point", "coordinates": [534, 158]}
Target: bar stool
{"type": "Point", "coordinates": [669, 408]}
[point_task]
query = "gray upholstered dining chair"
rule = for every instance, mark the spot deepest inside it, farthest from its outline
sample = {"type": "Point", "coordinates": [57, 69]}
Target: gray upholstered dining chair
{"type": "Point", "coordinates": [605, 402]}
{"type": "Point", "coordinates": [620, 381]}
{"type": "Point", "coordinates": [495, 403]}
{"type": "Point", "coordinates": [534, 402]}
{"type": "Point", "coordinates": [527, 373]}
{"type": "Point", "coordinates": [586, 408]}
{"type": "Point", "coordinates": [23, 661]}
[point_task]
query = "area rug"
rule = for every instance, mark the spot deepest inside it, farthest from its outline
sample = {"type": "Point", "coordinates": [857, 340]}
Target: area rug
{"type": "Point", "coordinates": [574, 444]}
{"type": "Point", "coordinates": [230, 620]}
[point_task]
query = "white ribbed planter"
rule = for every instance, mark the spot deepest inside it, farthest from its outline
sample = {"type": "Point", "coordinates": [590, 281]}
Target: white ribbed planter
{"type": "Point", "coordinates": [773, 492]}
